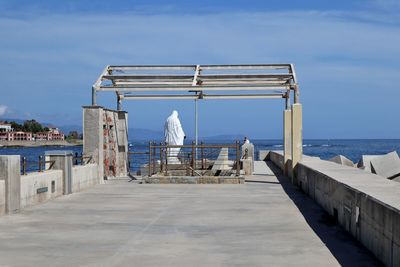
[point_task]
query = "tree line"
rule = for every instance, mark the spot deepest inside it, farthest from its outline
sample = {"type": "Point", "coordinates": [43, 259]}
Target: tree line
{"type": "Point", "coordinates": [28, 126]}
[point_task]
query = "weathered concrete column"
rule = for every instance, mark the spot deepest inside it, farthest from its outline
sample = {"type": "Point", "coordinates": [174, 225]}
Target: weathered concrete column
{"type": "Point", "coordinates": [62, 161]}
{"type": "Point", "coordinates": [122, 141]}
{"type": "Point", "coordinates": [10, 172]}
{"type": "Point", "coordinates": [93, 137]}
{"type": "Point", "coordinates": [287, 140]}
{"type": "Point", "coordinates": [297, 136]}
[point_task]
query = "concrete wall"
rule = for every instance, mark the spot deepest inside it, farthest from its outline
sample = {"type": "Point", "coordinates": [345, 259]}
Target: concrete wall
{"type": "Point", "coordinates": [2, 198]}
{"type": "Point", "coordinates": [84, 177]}
{"type": "Point", "coordinates": [366, 205]}
{"type": "Point", "coordinates": [32, 182]}
{"type": "Point", "coordinates": [20, 191]}
{"type": "Point", "coordinates": [105, 139]}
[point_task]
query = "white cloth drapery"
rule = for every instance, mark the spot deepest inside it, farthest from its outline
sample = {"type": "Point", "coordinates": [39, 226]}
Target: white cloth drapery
{"type": "Point", "coordinates": [174, 135]}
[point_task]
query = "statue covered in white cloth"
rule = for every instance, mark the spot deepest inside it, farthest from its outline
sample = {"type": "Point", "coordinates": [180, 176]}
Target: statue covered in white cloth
{"type": "Point", "coordinates": [174, 135]}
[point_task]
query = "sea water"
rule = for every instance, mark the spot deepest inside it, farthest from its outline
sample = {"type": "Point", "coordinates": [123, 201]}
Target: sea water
{"type": "Point", "coordinates": [325, 149]}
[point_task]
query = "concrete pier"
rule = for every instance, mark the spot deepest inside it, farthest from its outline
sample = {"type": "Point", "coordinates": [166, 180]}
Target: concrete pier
{"type": "Point", "coordinates": [266, 222]}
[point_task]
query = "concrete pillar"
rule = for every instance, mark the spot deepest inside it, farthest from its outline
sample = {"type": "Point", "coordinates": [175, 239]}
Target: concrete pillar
{"type": "Point", "coordinates": [287, 140]}
{"type": "Point", "coordinates": [10, 172]}
{"type": "Point", "coordinates": [93, 137]}
{"type": "Point", "coordinates": [62, 161]}
{"type": "Point", "coordinates": [297, 135]}
{"type": "Point", "coordinates": [123, 143]}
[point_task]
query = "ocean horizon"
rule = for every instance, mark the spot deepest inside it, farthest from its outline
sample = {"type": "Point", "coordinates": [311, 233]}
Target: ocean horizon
{"type": "Point", "coordinates": [323, 148]}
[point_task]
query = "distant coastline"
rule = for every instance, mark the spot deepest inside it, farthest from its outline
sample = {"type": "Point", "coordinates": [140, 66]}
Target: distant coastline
{"type": "Point", "coordinates": [39, 143]}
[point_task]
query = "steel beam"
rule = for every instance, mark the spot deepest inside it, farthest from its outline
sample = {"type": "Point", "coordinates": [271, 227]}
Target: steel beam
{"type": "Point", "coordinates": [203, 96]}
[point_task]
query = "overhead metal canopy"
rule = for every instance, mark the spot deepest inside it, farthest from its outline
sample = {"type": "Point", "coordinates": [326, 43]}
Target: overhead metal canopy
{"type": "Point", "coordinates": [198, 82]}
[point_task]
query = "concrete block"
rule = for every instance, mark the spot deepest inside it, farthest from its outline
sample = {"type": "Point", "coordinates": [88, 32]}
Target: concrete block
{"type": "Point", "coordinates": [63, 161]}
{"type": "Point", "coordinates": [342, 160]}
{"type": "Point", "coordinates": [38, 187]}
{"type": "Point", "coordinates": [365, 162]}
{"type": "Point", "coordinates": [222, 162]}
{"type": "Point", "coordinates": [263, 155]}
{"type": "Point", "coordinates": [297, 137]}
{"type": "Point", "coordinates": [248, 152]}
{"type": "Point", "coordinates": [93, 137]}
{"type": "Point", "coordinates": [84, 177]}
{"type": "Point", "coordinates": [248, 166]}
{"type": "Point", "coordinates": [10, 172]}
{"type": "Point", "coordinates": [387, 165]}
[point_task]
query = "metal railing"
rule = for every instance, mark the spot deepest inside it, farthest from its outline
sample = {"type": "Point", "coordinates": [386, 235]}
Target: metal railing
{"type": "Point", "coordinates": [193, 159]}
{"type": "Point", "coordinates": [80, 159]}
{"type": "Point", "coordinates": [41, 165]}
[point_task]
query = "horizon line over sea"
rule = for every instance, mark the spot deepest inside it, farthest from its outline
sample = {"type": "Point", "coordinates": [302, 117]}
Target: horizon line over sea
{"type": "Point", "coordinates": [323, 148]}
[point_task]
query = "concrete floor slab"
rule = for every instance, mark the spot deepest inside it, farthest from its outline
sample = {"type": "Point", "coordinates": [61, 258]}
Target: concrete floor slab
{"type": "Point", "coordinates": [266, 222]}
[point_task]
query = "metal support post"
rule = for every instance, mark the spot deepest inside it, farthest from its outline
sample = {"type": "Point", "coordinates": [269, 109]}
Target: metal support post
{"type": "Point", "coordinates": [150, 144]}
{"type": "Point", "coordinates": [202, 157]}
{"type": "Point", "coordinates": [161, 159]}
{"type": "Point", "coordinates": [154, 157]}
{"type": "Point", "coordinates": [193, 157]}
{"type": "Point", "coordinates": [237, 158]}
{"type": "Point", "coordinates": [24, 165]}
{"type": "Point", "coordinates": [94, 96]}
{"type": "Point", "coordinates": [40, 163]}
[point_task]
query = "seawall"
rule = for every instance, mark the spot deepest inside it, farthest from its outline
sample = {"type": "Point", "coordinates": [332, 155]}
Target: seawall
{"type": "Point", "coordinates": [364, 204]}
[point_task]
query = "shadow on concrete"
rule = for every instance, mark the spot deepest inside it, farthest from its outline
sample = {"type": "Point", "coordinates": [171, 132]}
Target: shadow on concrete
{"type": "Point", "coordinates": [347, 250]}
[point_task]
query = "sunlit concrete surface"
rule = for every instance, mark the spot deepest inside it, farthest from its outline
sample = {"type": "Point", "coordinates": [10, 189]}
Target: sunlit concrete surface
{"type": "Point", "coordinates": [265, 222]}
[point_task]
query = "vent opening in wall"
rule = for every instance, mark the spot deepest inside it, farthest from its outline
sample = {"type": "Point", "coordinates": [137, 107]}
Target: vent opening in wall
{"type": "Point", "coordinates": [53, 186]}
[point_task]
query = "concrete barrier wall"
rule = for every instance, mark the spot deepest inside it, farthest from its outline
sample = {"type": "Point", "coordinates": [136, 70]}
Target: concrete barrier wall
{"type": "Point", "coordinates": [277, 158]}
{"type": "Point", "coordinates": [84, 176]}
{"type": "Point", "coordinates": [2, 197]}
{"type": "Point", "coordinates": [38, 187]}
{"type": "Point", "coordinates": [366, 205]}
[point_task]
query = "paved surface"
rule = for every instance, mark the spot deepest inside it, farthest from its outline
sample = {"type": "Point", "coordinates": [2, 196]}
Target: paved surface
{"type": "Point", "coordinates": [265, 222]}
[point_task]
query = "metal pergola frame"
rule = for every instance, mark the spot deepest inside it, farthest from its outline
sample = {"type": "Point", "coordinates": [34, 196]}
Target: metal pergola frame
{"type": "Point", "coordinates": [181, 81]}
{"type": "Point", "coordinates": [196, 82]}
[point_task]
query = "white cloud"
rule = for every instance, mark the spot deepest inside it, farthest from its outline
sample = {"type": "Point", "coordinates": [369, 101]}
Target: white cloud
{"type": "Point", "coordinates": [3, 110]}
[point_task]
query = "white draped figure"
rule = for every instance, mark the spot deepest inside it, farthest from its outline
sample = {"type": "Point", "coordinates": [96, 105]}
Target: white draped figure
{"type": "Point", "coordinates": [174, 135]}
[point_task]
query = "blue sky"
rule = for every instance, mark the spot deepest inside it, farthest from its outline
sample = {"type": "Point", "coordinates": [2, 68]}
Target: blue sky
{"type": "Point", "coordinates": [346, 53]}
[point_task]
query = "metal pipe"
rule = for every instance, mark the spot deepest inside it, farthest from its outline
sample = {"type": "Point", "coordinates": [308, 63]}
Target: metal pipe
{"type": "Point", "coordinates": [202, 156]}
{"type": "Point", "coordinates": [24, 165]}
{"type": "Point", "coordinates": [296, 94]}
{"type": "Point", "coordinates": [154, 158]}
{"type": "Point", "coordinates": [119, 102]}
{"type": "Point", "coordinates": [161, 159]}
{"type": "Point", "coordinates": [196, 121]}
{"type": "Point", "coordinates": [193, 158]}
{"type": "Point", "coordinates": [287, 100]}
{"type": "Point", "coordinates": [204, 96]}
{"type": "Point", "coordinates": [94, 96]}
{"type": "Point", "coordinates": [40, 163]}
{"type": "Point", "coordinates": [237, 158]}
{"type": "Point", "coordinates": [150, 143]}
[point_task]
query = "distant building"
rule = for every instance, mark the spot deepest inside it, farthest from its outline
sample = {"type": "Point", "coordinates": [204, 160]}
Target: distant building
{"type": "Point", "coordinates": [52, 134]}
{"type": "Point", "coordinates": [5, 127]}
{"type": "Point", "coordinates": [16, 136]}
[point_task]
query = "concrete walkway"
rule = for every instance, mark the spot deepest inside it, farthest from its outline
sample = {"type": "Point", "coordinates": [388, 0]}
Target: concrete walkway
{"type": "Point", "coordinates": [266, 222]}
